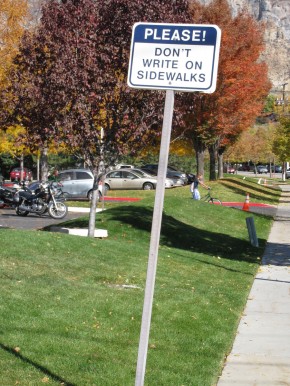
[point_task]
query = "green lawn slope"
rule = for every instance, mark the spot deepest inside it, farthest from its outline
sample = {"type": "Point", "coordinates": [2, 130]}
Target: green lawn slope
{"type": "Point", "coordinates": [71, 306]}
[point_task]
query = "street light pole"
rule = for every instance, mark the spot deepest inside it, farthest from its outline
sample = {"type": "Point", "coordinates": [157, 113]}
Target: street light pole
{"type": "Point", "coordinates": [283, 96]}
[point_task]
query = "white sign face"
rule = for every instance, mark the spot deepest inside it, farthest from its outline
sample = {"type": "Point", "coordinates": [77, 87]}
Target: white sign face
{"type": "Point", "coordinates": [180, 57]}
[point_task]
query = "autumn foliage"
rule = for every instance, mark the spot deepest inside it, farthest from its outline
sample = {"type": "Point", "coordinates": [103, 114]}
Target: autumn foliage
{"type": "Point", "coordinates": [13, 14]}
{"type": "Point", "coordinates": [215, 121]}
{"type": "Point", "coordinates": [69, 80]}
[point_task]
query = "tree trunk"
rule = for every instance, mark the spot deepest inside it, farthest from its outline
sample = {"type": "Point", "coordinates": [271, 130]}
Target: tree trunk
{"type": "Point", "coordinates": [284, 168]}
{"type": "Point", "coordinates": [199, 148]}
{"type": "Point", "coordinates": [212, 149]}
{"type": "Point", "coordinates": [37, 167]}
{"type": "Point", "coordinates": [220, 155]}
{"type": "Point", "coordinates": [21, 167]}
{"type": "Point", "coordinates": [44, 164]}
{"type": "Point", "coordinates": [92, 219]}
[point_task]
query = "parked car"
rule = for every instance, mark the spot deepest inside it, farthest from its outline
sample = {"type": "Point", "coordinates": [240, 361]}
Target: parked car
{"type": "Point", "coordinates": [123, 166]}
{"type": "Point", "coordinates": [77, 183]}
{"type": "Point", "coordinates": [176, 181]}
{"type": "Point", "coordinates": [15, 174]}
{"type": "Point", "coordinates": [262, 169]}
{"type": "Point", "coordinates": [171, 172]}
{"type": "Point", "coordinates": [229, 169]}
{"type": "Point", "coordinates": [128, 179]}
{"type": "Point", "coordinates": [169, 183]}
{"type": "Point", "coordinates": [244, 168]}
{"type": "Point", "coordinates": [288, 173]}
{"type": "Point", "coordinates": [276, 169]}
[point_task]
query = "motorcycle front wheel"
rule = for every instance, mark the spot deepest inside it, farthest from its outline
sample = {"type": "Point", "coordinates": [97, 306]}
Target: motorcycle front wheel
{"type": "Point", "coordinates": [21, 212]}
{"type": "Point", "coordinates": [57, 210]}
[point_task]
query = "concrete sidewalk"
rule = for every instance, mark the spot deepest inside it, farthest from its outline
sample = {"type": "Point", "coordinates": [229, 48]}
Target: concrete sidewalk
{"type": "Point", "coordinates": [261, 350]}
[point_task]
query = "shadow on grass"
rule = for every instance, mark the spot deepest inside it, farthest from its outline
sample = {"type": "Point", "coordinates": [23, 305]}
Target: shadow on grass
{"type": "Point", "coordinates": [240, 187]}
{"type": "Point", "coordinates": [43, 369]}
{"type": "Point", "coordinates": [219, 265]}
{"type": "Point", "coordinates": [179, 235]}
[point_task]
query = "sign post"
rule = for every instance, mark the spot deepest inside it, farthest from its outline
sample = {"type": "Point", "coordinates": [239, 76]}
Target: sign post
{"type": "Point", "coordinates": [169, 57]}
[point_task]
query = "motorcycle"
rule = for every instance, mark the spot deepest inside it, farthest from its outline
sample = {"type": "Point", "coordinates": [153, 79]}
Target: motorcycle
{"type": "Point", "coordinates": [7, 195]}
{"type": "Point", "coordinates": [46, 198]}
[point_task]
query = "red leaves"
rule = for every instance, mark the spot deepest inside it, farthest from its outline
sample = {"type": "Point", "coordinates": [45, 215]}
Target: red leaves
{"type": "Point", "coordinates": [242, 77]}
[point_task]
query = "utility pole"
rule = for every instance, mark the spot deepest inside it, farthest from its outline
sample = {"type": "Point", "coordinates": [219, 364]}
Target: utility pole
{"type": "Point", "coordinates": [283, 96]}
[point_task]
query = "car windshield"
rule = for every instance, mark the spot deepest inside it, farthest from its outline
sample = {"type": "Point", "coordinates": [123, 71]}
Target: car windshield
{"type": "Point", "coordinates": [139, 173]}
{"type": "Point", "coordinates": [151, 172]}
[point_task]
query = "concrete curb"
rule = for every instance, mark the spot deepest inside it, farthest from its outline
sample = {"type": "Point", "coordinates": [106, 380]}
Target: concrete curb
{"type": "Point", "coordinates": [99, 233]}
{"type": "Point", "coordinates": [82, 210]}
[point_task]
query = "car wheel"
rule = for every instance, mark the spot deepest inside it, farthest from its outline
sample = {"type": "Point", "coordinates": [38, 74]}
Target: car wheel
{"type": "Point", "coordinates": [107, 187]}
{"type": "Point", "coordinates": [90, 195]}
{"type": "Point", "coordinates": [148, 186]}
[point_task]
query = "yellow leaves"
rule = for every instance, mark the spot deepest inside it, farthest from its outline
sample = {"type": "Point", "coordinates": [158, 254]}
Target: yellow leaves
{"type": "Point", "coordinates": [181, 147]}
{"type": "Point", "coordinates": [8, 140]}
{"type": "Point", "coordinates": [12, 17]}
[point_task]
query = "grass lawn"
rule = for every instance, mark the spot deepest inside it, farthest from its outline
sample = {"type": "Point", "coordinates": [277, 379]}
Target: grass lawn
{"type": "Point", "coordinates": [71, 306]}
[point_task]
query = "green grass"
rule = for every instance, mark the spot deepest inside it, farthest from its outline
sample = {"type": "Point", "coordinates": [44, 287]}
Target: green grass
{"type": "Point", "coordinates": [71, 307]}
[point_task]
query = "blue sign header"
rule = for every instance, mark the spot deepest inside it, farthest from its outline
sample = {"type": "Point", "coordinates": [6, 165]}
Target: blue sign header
{"type": "Point", "coordinates": [174, 34]}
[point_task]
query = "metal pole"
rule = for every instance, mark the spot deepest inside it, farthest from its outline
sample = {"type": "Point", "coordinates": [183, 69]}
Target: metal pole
{"type": "Point", "coordinates": [103, 169]}
{"type": "Point", "coordinates": [155, 237]}
{"type": "Point", "coordinates": [283, 93]}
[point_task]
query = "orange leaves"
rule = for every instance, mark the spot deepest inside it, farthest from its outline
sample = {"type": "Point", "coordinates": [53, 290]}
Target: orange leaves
{"type": "Point", "coordinates": [12, 17]}
{"type": "Point", "coordinates": [242, 82]}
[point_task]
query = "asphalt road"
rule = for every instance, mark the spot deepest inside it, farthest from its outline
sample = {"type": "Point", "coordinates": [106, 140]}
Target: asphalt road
{"type": "Point", "coordinates": [263, 175]}
{"type": "Point", "coordinates": [9, 219]}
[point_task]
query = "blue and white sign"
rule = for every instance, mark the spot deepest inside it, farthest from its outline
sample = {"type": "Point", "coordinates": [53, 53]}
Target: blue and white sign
{"type": "Point", "coordinates": [180, 57]}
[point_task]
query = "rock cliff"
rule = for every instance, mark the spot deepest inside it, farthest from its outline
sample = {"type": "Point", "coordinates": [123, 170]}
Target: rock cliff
{"type": "Point", "coordinates": [276, 15]}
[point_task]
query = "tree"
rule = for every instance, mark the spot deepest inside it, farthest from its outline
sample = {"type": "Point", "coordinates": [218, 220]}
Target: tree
{"type": "Point", "coordinates": [269, 106]}
{"type": "Point", "coordinates": [214, 121]}
{"type": "Point", "coordinates": [281, 142]}
{"type": "Point", "coordinates": [13, 14]}
{"type": "Point", "coordinates": [70, 79]}
{"type": "Point", "coordinates": [254, 144]}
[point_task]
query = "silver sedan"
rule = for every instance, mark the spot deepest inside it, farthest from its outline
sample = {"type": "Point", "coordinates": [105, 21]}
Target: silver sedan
{"type": "Point", "coordinates": [128, 179]}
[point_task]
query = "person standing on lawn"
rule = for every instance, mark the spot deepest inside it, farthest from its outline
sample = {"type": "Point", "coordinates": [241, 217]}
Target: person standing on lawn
{"type": "Point", "coordinates": [194, 186]}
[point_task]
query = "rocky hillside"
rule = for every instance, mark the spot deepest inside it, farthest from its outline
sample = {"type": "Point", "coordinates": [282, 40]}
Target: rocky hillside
{"type": "Point", "coordinates": [276, 15]}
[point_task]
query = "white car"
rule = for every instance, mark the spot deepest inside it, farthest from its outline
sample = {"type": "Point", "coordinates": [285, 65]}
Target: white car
{"type": "Point", "coordinates": [262, 169]}
{"type": "Point", "coordinates": [124, 166]}
{"type": "Point", "coordinates": [169, 183]}
{"type": "Point", "coordinates": [128, 179]}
